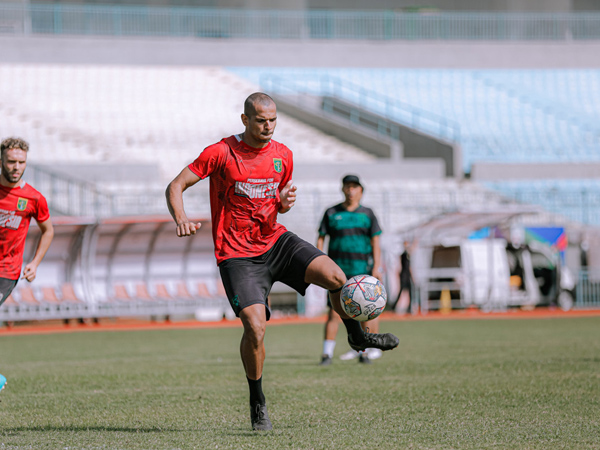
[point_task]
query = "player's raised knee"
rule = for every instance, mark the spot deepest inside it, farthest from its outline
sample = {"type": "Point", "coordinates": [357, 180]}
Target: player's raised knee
{"type": "Point", "coordinates": [336, 278]}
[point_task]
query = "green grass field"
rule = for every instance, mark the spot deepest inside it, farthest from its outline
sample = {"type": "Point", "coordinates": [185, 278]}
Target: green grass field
{"type": "Point", "coordinates": [504, 384]}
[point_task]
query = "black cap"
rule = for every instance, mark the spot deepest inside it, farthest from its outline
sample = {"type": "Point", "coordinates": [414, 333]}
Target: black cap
{"type": "Point", "coordinates": [351, 179]}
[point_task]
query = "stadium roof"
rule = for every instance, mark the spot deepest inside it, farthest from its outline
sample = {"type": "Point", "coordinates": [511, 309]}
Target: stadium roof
{"type": "Point", "coordinates": [451, 227]}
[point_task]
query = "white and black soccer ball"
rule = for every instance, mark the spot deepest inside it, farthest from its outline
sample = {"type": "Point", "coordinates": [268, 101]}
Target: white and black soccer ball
{"type": "Point", "coordinates": [363, 297]}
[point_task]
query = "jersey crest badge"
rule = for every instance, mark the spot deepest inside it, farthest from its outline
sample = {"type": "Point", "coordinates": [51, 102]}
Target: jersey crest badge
{"type": "Point", "coordinates": [22, 204]}
{"type": "Point", "coordinates": [278, 164]}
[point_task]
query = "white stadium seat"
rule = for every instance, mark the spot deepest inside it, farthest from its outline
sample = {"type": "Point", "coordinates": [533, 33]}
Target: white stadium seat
{"type": "Point", "coordinates": [165, 115]}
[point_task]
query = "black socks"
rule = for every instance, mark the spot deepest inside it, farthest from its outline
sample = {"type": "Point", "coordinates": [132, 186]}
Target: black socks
{"type": "Point", "coordinates": [352, 326]}
{"type": "Point", "coordinates": [256, 393]}
{"type": "Point", "coordinates": [354, 329]}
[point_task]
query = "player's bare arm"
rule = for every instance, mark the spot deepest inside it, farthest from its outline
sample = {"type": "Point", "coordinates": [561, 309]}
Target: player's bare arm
{"type": "Point", "coordinates": [377, 267]}
{"type": "Point", "coordinates": [30, 270]}
{"type": "Point", "coordinates": [321, 242]}
{"type": "Point", "coordinates": [287, 197]}
{"type": "Point", "coordinates": [174, 194]}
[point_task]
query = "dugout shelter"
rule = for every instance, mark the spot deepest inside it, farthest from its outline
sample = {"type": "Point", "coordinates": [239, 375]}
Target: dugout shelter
{"type": "Point", "coordinates": [125, 266]}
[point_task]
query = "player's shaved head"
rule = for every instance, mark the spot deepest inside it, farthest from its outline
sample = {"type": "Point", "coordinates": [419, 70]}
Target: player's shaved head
{"type": "Point", "coordinates": [260, 119]}
{"type": "Point", "coordinates": [258, 98]}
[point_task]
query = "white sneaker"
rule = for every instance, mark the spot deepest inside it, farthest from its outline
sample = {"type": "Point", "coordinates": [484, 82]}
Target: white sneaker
{"type": "Point", "coordinates": [374, 353]}
{"type": "Point", "coordinates": [351, 354]}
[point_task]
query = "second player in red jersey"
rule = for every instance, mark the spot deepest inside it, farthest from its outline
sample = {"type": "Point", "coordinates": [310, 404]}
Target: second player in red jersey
{"type": "Point", "coordinates": [19, 202]}
{"type": "Point", "coordinates": [17, 206]}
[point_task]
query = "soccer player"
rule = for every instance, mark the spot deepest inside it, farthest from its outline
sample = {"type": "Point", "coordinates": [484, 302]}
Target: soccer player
{"type": "Point", "coordinates": [403, 303]}
{"type": "Point", "coordinates": [250, 183]}
{"type": "Point", "coordinates": [19, 202]}
{"type": "Point", "coordinates": [353, 232]}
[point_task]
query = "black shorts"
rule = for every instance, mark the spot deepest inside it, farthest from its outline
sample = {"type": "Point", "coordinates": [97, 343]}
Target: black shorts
{"type": "Point", "coordinates": [248, 281]}
{"type": "Point", "coordinates": [6, 287]}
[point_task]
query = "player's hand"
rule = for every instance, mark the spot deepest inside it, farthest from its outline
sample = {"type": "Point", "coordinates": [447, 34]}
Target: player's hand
{"type": "Point", "coordinates": [378, 272]}
{"type": "Point", "coordinates": [287, 196]}
{"type": "Point", "coordinates": [30, 272]}
{"type": "Point", "coordinates": [187, 228]}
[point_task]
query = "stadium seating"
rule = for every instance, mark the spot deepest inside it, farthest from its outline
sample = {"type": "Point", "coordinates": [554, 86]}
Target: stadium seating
{"type": "Point", "coordinates": [578, 200]}
{"type": "Point", "coordinates": [32, 302]}
{"type": "Point", "coordinates": [133, 114]}
{"type": "Point", "coordinates": [398, 204]}
{"type": "Point", "coordinates": [161, 115]}
{"type": "Point", "coordinates": [504, 115]}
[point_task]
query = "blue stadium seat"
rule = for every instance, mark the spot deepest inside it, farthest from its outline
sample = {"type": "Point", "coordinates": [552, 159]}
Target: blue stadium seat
{"type": "Point", "coordinates": [578, 200]}
{"type": "Point", "coordinates": [504, 115]}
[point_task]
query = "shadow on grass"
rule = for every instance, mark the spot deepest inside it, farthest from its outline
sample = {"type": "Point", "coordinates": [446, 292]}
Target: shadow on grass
{"type": "Point", "coordinates": [235, 431]}
{"type": "Point", "coordinates": [80, 428]}
{"type": "Point", "coordinates": [295, 360]}
{"type": "Point", "coordinates": [288, 357]}
{"type": "Point", "coordinates": [278, 429]}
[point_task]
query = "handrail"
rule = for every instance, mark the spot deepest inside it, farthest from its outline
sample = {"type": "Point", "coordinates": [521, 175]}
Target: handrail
{"type": "Point", "coordinates": [588, 288]}
{"type": "Point", "coordinates": [122, 20]}
{"type": "Point", "coordinates": [70, 196]}
{"type": "Point", "coordinates": [364, 100]}
{"type": "Point", "coordinates": [578, 204]}
{"type": "Point", "coordinates": [67, 195]}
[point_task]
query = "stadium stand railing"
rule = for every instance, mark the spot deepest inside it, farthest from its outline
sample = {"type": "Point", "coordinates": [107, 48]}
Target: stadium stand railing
{"type": "Point", "coordinates": [588, 289]}
{"type": "Point", "coordinates": [125, 267]}
{"type": "Point", "coordinates": [577, 199]}
{"type": "Point", "coordinates": [363, 99]}
{"type": "Point", "coordinates": [397, 202]}
{"type": "Point", "coordinates": [70, 196]}
{"type": "Point", "coordinates": [518, 133]}
{"type": "Point", "coordinates": [74, 115]}
{"type": "Point", "coordinates": [501, 116]}
{"type": "Point", "coordinates": [120, 20]}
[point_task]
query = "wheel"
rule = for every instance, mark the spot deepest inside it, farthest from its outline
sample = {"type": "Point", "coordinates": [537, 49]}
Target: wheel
{"type": "Point", "coordinates": [565, 300]}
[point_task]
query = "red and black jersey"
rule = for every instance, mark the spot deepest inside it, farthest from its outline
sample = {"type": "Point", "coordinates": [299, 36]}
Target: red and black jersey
{"type": "Point", "coordinates": [17, 206]}
{"type": "Point", "coordinates": [245, 183]}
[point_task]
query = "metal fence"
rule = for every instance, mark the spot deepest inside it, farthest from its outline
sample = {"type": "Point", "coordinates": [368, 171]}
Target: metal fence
{"type": "Point", "coordinates": [588, 289]}
{"type": "Point", "coordinates": [70, 196]}
{"type": "Point", "coordinates": [580, 206]}
{"type": "Point", "coordinates": [120, 20]}
{"type": "Point", "coordinates": [587, 293]}
{"type": "Point", "coordinates": [119, 267]}
{"type": "Point", "coordinates": [73, 197]}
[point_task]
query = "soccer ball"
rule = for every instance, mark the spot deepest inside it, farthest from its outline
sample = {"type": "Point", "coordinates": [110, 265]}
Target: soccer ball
{"type": "Point", "coordinates": [363, 297]}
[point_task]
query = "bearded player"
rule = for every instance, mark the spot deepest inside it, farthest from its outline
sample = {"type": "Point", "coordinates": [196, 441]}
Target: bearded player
{"type": "Point", "coordinates": [19, 202]}
{"type": "Point", "coordinates": [250, 183]}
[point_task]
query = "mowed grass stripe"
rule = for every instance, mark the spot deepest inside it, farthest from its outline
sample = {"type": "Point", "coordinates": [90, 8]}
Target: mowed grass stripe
{"type": "Point", "coordinates": [531, 384]}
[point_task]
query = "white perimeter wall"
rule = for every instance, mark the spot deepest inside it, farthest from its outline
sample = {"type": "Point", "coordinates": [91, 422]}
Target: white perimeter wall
{"type": "Point", "coordinates": [299, 53]}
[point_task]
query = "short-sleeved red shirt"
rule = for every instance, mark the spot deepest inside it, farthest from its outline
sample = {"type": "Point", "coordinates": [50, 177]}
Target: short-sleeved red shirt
{"type": "Point", "coordinates": [17, 206]}
{"type": "Point", "coordinates": [244, 194]}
